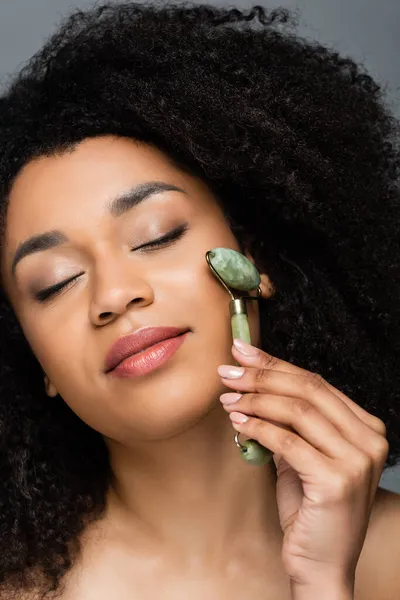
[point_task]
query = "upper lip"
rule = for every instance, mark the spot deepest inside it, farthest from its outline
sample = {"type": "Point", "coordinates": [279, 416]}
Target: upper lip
{"type": "Point", "coordinates": [135, 342]}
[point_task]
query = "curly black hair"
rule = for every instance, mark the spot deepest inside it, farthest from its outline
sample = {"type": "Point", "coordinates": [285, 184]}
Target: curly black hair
{"type": "Point", "coordinates": [300, 146]}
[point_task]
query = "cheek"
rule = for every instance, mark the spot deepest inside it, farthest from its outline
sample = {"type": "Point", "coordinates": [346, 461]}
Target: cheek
{"type": "Point", "coordinates": [57, 345]}
{"type": "Point", "coordinates": [197, 289]}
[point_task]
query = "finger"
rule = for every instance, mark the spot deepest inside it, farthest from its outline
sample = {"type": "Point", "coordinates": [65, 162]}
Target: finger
{"type": "Point", "coordinates": [317, 471]}
{"type": "Point", "coordinates": [311, 389]}
{"type": "Point", "coordinates": [301, 456]}
{"type": "Point", "coordinates": [263, 360]}
{"type": "Point", "coordinates": [297, 413]}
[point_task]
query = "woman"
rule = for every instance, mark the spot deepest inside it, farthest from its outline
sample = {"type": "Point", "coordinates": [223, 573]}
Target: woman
{"type": "Point", "coordinates": [136, 140]}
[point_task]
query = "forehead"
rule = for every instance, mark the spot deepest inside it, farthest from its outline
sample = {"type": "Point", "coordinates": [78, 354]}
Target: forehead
{"type": "Point", "coordinates": [60, 190]}
{"type": "Point", "coordinates": [95, 170]}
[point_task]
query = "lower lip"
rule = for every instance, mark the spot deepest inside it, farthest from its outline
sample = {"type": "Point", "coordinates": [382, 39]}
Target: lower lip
{"type": "Point", "coordinates": [150, 359]}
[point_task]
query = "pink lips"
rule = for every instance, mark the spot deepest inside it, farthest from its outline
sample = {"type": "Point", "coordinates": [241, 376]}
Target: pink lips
{"type": "Point", "coordinates": [143, 351]}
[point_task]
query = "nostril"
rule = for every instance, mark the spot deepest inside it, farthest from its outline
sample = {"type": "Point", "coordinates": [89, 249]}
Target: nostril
{"type": "Point", "coordinates": [135, 301]}
{"type": "Point", "coordinates": [105, 315]}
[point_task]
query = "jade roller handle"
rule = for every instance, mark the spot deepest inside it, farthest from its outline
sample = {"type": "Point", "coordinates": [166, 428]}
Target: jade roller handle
{"type": "Point", "coordinates": [250, 450]}
{"type": "Point", "coordinates": [239, 320]}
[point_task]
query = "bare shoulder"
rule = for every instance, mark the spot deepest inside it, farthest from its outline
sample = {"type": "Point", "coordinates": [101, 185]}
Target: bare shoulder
{"type": "Point", "coordinates": [378, 569]}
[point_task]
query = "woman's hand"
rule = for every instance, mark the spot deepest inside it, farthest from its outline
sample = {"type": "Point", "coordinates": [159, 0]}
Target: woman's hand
{"type": "Point", "coordinates": [329, 454]}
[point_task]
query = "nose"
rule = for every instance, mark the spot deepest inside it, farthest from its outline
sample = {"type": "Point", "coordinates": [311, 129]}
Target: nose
{"type": "Point", "coordinates": [116, 290]}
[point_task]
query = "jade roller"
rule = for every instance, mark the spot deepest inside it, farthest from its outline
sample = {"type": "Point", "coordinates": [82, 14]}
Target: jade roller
{"type": "Point", "coordinates": [236, 272]}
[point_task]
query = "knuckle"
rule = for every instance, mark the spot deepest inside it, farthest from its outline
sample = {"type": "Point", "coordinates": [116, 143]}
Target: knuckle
{"type": "Point", "coordinates": [257, 427]}
{"type": "Point", "coordinates": [340, 487]}
{"type": "Point", "coordinates": [359, 466]}
{"type": "Point", "coordinates": [313, 382]}
{"type": "Point", "coordinates": [379, 447]}
{"type": "Point", "coordinates": [378, 425]}
{"type": "Point", "coordinates": [269, 362]}
{"type": "Point", "coordinates": [259, 376]}
{"type": "Point", "coordinates": [253, 400]}
{"type": "Point", "coordinates": [300, 406]}
{"type": "Point", "coordinates": [287, 442]}
{"type": "Point", "coordinates": [385, 448]}
{"type": "Point", "coordinates": [362, 464]}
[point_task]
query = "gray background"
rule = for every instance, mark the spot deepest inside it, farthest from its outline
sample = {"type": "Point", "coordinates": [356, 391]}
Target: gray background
{"type": "Point", "coordinates": [367, 30]}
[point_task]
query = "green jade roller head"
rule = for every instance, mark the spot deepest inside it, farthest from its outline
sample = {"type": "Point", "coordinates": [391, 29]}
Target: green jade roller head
{"type": "Point", "coordinates": [236, 272]}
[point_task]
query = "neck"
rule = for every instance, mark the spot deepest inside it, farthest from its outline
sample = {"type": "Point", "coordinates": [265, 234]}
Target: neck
{"type": "Point", "coordinates": [194, 495]}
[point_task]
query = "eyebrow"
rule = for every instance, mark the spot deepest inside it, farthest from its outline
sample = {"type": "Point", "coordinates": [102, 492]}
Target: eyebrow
{"type": "Point", "coordinates": [116, 207]}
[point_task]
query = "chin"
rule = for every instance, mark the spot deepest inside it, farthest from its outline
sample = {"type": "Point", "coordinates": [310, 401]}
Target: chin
{"type": "Point", "coordinates": [169, 416]}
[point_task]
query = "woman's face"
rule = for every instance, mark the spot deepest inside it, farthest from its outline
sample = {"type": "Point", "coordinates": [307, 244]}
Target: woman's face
{"type": "Point", "coordinates": [115, 287]}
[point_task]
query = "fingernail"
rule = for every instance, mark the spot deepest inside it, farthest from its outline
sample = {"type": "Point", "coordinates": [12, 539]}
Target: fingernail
{"type": "Point", "coordinates": [237, 417]}
{"type": "Point", "coordinates": [245, 348]}
{"type": "Point", "coordinates": [230, 398]}
{"type": "Point", "coordinates": [230, 372]}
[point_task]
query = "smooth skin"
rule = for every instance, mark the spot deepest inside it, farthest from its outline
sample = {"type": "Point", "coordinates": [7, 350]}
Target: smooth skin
{"type": "Point", "coordinates": [184, 509]}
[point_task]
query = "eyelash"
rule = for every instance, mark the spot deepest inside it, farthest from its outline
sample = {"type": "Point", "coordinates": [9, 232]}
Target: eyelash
{"type": "Point", "coordinates": [163, 241]}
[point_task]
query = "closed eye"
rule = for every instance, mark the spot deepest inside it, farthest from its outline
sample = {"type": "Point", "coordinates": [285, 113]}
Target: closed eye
{"type": "Point", "coordinates": [43, 295]}
{"type": "Point", "coordinates": [165, 240]}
